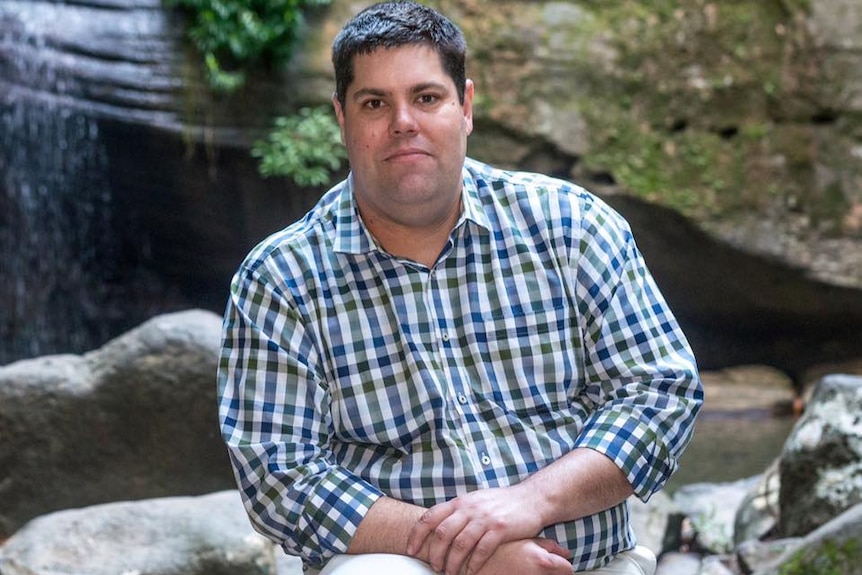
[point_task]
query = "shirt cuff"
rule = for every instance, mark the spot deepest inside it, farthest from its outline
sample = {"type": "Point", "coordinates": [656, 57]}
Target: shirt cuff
{"type": "Point", "coordinates": [635, 447]}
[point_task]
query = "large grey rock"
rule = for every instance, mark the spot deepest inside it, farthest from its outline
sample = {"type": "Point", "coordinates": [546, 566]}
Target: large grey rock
{"type": "Point", "coordinates": [206, 535]}
{"type": "Point", "coordinates": [134, 419]}
{"type": "Point", "coordinates": [821, 466]}
{"type": "Point", "coordinates": [835, 547]}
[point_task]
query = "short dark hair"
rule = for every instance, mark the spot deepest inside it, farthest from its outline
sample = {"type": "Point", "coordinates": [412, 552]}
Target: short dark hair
{"type": "Point", "coordinates": [394, 24]}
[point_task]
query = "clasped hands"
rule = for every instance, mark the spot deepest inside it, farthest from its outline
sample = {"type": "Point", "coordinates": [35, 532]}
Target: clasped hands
{"type": "Point", "coordinates": [486, 532]}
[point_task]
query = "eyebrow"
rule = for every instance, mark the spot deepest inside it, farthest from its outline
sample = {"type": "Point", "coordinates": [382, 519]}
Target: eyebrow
{"type": "Point", "coordinates": [379, 93]}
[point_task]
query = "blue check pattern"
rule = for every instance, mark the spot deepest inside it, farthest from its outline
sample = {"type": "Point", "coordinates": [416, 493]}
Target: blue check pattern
{"type": "Point", "coordinates": [348, 374]}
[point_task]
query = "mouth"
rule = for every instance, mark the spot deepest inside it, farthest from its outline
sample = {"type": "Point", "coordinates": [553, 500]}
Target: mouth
{"type": "Point", "coordinates": [406, 154]}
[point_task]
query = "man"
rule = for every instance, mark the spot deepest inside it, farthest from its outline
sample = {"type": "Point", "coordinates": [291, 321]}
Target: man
{"type": "Point", "coordinates": [444, 367]}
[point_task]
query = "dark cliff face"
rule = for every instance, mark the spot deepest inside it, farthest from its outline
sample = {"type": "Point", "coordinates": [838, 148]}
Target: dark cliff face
{"type": "Point", "coordinates": [128, 189]}
{"type": "Point", "coordinates": [738, 308]}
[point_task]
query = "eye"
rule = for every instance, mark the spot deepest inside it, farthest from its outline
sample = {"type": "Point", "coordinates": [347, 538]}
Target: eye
{"type": "Point", "coordinates": [373, 104]}
{"type": "Point", "coordinates": [428, 98]}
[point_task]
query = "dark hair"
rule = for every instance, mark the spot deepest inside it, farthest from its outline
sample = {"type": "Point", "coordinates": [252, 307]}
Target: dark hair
{"type": "Point", "coordinates": [394, 24]}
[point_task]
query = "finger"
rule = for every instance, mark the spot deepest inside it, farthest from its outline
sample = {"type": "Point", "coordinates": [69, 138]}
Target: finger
{"type": "Point", "coordinates": [442, 539]}
{"type": "Point", "coordinates": [462, 548]}
{"type": "Point", "coordinates": [427, 523]}
{"type": "Point", "coordinates": [482, 551]}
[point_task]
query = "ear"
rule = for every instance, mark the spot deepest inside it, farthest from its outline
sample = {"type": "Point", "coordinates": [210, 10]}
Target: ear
{"type": "Point", "coordinates": [469, 89]}
{"type": "Point", "coordinates": [339, 114]}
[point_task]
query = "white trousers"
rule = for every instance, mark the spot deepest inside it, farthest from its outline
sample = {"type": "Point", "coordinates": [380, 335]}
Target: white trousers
{"type": "Point", "coordinates": [637, 561]}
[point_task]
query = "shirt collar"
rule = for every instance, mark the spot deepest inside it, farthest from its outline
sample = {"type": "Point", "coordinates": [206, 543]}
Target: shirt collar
{"type": "Point", "coordinates": [352, 237]}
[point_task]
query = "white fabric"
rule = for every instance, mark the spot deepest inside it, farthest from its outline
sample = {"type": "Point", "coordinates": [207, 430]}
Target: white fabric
{"type": "Point", "coordinates": [374, 564]}
{"type": "Point", "coordinates": [637, 561]}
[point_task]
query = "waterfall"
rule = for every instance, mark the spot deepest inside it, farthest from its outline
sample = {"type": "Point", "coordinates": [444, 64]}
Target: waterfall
{"type": "Point", "coordinates": [126, 187]}
{"type": "Point", "coordinates": [55, 230]}
{"type": "Point", "coordinates": [64, 69]}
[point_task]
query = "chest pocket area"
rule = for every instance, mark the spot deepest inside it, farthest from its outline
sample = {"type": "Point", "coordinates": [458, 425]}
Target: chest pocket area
{"type": "Point", "coordinates": [530, 358]}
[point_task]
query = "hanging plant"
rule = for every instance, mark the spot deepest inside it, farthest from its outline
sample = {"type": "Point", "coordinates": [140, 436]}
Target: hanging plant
{"type": "Point", "coordinates": [234, 35]}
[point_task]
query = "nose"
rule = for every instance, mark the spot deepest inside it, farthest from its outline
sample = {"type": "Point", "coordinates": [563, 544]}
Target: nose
{"type": "Point", "coordinates": [403, 120]}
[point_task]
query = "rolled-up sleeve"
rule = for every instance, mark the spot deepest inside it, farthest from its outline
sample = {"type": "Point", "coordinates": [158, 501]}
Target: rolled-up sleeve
{"type": "Point", "coordinates": [640, 371]}
{"type": "Point", "coordinates": [274, 417]}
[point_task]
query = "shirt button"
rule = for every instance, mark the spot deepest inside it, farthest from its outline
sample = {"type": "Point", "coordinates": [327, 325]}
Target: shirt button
{"type": "Point", "coordinates": [445, 336]}
{"type": "Point", "coordinates": [462, 399]}
{"type": "Point", "coordinates": [486, 460]}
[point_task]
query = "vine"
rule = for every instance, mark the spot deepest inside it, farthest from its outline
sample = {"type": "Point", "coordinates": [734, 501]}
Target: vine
{"type": "Point", "coordinates": [233, 35]}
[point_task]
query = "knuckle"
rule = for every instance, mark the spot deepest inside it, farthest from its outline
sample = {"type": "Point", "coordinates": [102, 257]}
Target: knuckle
{"type": "Point", "coordinates": [460, 544]}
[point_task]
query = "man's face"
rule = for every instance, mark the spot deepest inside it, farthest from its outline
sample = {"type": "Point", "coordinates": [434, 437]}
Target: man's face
{"type": "Point", "coordinates": [406, 135]}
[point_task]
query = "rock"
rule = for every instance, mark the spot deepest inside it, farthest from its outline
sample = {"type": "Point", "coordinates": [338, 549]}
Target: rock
{"type": "Point", "coordinates": [753, 555]}
{"type": "Point", "coordinates": [206, 535]}
{"type": "Point", "coordinates": [821, 465]}
{"type": "Point", "coordinates": [134, 419]}
{"type": "Point", "coordinates": [835, 547]}
{"type": "Point", "coordinates": [656, 522]}
{"type": "Point", "coordinates": [712, 509]}
{"type": "Point", "coordinates": [718, 565]}
{"type": "Point", "coordinates": [758, 513]}
{"type": "Point", "coordinates": [677, 563]}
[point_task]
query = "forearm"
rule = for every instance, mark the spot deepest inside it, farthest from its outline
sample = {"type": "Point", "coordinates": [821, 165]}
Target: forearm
{"type": "Point", "coordinates": [385, 528]}
{"type": "Point", "coordinates": [581, 483]}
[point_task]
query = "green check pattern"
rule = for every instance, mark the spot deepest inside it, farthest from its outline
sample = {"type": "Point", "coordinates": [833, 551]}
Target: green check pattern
{"type": "Point", "coordinates": [348, 374]}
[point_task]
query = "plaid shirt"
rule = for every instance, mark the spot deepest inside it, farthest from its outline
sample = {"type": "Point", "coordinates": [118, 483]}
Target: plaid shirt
{"type": "Point", "coordinates": [348, 374]}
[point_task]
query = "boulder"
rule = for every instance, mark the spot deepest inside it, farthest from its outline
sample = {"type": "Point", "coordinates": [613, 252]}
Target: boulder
{"type": "Point", "coordinates": [835, 547]}
{"type": "Point", "coordinates": [206, 535]}
{"type": "Point", "coordinates": [134, 419]}
{"type": "Point", "coordinates": [821, 465]}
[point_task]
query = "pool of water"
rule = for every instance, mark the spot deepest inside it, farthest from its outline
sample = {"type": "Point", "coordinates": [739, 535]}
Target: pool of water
{"type": "Point", "coordinates": [731, 445]}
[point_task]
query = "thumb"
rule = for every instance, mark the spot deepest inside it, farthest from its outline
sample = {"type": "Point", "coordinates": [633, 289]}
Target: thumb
{"type": "Point", "coordinates": [553, 547]}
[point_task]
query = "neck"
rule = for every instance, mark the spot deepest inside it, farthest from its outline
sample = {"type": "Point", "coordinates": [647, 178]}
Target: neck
{"type": "Point", "coordinates": [421, 244]}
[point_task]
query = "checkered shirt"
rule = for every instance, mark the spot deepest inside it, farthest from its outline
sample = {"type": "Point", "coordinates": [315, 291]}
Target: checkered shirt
{"type": "Point", "coordinates": [348, 374]}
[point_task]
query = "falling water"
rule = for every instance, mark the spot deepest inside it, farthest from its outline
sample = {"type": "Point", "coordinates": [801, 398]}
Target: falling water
{"type": "Point", "coordinates": [58, 79]}
{"type": "Point", "coordinates": [126, 188]}
{"type": "Point", "coordinates": [55, 230]}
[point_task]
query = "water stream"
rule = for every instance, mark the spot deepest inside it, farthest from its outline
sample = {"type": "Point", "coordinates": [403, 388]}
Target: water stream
{"type": "Point", "coordinates": [55, 228]}
{"type": "Point", "coordinates": [728, 446]}
{"type": "Point", "coordinates": [64, 69]}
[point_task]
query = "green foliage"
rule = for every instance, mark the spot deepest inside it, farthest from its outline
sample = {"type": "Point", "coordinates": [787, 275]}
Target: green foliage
{"type": "Point", "coordinates": [234, 34]}
{"type": "Point", "coordinates": [305, 147]}
{"type": "Point", "coordinates": [833, 558]}
{"type": "Point", "coordinates": [688, 171]}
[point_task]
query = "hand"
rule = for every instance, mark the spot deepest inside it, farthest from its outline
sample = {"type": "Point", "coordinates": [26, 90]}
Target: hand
{"type": "Point", "coordinates": [460, 535]}
{"type": "Point", "coordinates": [529, 557]}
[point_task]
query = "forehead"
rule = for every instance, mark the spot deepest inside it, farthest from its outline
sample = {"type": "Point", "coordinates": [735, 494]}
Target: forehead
{"type": "Point", "coordinates": [390, 68]}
